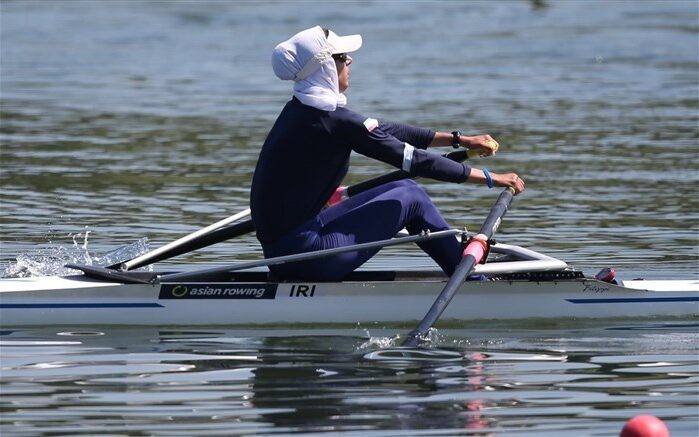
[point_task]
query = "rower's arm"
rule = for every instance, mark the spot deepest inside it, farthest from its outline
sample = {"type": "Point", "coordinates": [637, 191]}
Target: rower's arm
{"type": "Point", "coordinates": [374, 142]}
{"type": "Point", "coordinates": [417, 136]}
{"type": "Point", "coordinates": [423, 138]}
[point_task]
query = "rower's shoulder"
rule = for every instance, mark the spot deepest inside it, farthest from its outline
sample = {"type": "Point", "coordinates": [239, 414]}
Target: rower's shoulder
{"type": "Point", "coordinates": [350, 119]}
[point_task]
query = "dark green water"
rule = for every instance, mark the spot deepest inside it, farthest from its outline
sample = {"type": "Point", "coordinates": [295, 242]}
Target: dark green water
{"type": "Point", "coordinates": [124, 120]}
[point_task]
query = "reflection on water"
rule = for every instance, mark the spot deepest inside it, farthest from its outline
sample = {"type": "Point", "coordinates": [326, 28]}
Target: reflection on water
{"type": "Point", "coordinates": [587, 379]}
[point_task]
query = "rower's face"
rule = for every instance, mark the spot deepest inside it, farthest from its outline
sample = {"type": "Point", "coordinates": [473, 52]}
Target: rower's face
{"type": "Point", "coordinates": [343, 72]}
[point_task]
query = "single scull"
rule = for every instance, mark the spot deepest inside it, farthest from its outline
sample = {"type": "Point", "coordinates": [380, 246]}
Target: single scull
{"type": "Point", "coordinates": [515, 283]}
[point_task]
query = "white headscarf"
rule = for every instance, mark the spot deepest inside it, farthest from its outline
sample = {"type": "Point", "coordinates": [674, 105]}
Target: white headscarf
{"type": "Point", "coordinates": [306, 58]}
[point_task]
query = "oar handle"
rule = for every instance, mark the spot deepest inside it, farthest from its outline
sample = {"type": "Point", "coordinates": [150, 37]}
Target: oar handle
{"type": "Point", "coordinates": [472, 255]}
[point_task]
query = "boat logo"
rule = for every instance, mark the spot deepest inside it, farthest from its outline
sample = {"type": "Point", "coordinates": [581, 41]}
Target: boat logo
{"type": "Point", "coordinates": [594, 288]}
{"type": "Point", "coordinates": [179, 291]}
{"type": "Point", "coordinates": [224, 290]}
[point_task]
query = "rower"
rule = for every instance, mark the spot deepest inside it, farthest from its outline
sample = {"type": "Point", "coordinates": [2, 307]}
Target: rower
{"type": "Point", "coordinates": [306, 156]}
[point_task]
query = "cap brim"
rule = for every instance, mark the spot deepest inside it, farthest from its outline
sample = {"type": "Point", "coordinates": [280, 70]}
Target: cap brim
{"type": "Point", "coordinates": [344, 44]}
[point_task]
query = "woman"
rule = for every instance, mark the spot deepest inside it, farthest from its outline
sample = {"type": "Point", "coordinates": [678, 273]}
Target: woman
{"type": "Point", "coordinates": [306, 156]}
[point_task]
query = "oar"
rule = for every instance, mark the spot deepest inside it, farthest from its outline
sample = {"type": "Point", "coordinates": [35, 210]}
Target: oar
{"type": "Point", "coordinates": [226, 229]}
{"type": "Point", "coordinates": [170, 248]}
{"type": "Point", "coordinates": [472, 255]}
{"type": "Point", "coordinates": [213, 237]}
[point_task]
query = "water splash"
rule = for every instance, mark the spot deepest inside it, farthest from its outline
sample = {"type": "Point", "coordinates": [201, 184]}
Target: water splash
{"type": "Point", "coordinates": [51, 261]}
{"type": "Point", "coordinates": [389, 349]}
{"type": "Point", "coordinates": [378, 342]}
{"type": "Point", "coordinates": [137, 248]}
{"type": "Point", "coordinates": [432, 338]}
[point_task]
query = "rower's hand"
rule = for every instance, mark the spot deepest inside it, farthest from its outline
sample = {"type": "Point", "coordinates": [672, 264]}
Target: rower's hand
{"type": "Point", "coordinates": [484, 145]}
{"type": "Point", "coordinates": [511, 180]}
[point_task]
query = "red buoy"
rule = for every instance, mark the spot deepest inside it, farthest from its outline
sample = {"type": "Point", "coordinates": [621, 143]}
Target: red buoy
{"type": "Point", "coordinates": [645, 425]}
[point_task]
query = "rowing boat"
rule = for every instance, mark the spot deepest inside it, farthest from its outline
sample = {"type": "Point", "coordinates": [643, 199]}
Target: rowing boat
{"type": "Point", "coordinates": [514, 283]}
{"type": "Point", "coordinates": [492, 281]}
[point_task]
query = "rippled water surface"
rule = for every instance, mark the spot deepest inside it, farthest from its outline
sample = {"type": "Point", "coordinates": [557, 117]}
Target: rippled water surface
{"type": "Point", "coordinates": [129, 120]}
{"type": "Point", "coordinates": [583, 379]}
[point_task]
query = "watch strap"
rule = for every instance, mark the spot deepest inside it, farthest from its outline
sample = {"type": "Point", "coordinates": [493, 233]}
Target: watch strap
{"type": "Point", "coordinates": [455, 139]}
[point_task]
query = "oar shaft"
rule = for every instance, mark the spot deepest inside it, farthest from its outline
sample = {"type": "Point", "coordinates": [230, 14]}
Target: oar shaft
{"type": "Point", "coordinates": [213, 237]}
{"type": "Point", "coordinates": [191, 276]}
{"type": "Point", "coordinates": [151, 256]}
{"type": "Point", "coordinates": [472, 255]}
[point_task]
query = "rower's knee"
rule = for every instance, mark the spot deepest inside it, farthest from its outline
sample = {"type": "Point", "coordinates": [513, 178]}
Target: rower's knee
{"type": "Point", "coordinates": [413, 193]}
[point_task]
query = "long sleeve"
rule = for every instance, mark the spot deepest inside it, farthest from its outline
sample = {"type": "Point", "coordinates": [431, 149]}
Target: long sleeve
{"type": "Point", "coordinates": [370, 139]}
{"type": "Point", "coordinates": [417, 136]}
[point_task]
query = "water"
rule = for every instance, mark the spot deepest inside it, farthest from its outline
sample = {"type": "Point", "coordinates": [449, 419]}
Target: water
{"type": "Point", "coordinates": [576, 379]}
{"type": "Point", "coordinates": [133, 120]}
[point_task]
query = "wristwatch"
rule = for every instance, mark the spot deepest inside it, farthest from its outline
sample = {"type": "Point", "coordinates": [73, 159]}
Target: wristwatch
{"type": "Point", "coordinates": [455, 139]}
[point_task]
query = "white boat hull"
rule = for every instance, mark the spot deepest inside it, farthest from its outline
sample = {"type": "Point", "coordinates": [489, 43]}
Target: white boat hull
{"type": "Point", "coordinates": [81, 301]}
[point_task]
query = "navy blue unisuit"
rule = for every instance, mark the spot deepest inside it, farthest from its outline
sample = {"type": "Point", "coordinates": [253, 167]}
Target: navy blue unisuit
{"type": "Point", "coordinates": [305, 158]}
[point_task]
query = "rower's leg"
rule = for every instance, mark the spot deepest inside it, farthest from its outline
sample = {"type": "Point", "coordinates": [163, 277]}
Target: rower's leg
{"type": "Point", "coordinates": [376, 214]}
{"type": "Point", "coordinates": [408, 206]}
{"type": "Point", "coordinates": [380, 215]}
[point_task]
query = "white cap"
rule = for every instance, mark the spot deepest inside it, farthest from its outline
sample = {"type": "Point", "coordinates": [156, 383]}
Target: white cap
{"type": "Point", "coordinates": [344, 44]}
{"type": "Point", "coordinates": [304, 53]}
